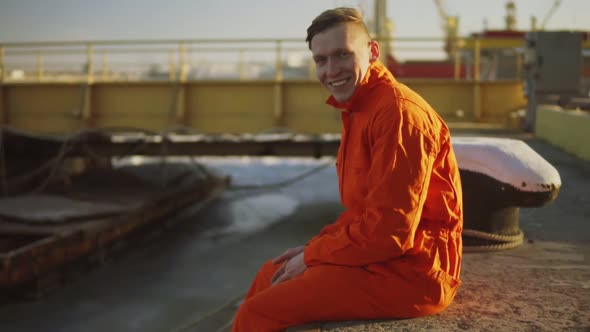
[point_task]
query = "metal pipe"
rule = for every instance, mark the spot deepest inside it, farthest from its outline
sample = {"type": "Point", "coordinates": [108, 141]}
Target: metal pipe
{"type": "Point", "coordinates": [477, 59]}
{"type": "Point", "coordinates": [279, 64]}
{"type": "Point", "coordinates": [182, 62]}
{"type": "Point", "coordinates": [171, 67]}
{"type": "Point", "coordinates": [148, 42]}
{"type": "Point", "coordinates": [476, 80]}
{"type": "Point", "coordinates": [188, 50]}
{"type": "Point", "coordinates": [39, 66]}
{"type": "Point", "coordinates": [105, 67]}
{"type": "Point", "coordinates": [90, 66]}
{"type": "Point", "coordinates": [457, 66]}
{"type": "Point", "coordinates": [241, 66]}
{"type": "Point", "coordinates": [1, 64]}
{"type": "Point", "coordinates": [82, 43]}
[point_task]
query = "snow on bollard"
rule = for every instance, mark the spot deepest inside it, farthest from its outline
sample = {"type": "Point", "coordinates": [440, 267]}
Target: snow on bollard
{"type": "Point", "coordinates": [500, 175]}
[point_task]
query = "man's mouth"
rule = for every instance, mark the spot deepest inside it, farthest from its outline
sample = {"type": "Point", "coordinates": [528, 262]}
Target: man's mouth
{"type": "Point", "coordinates": [338, 83]}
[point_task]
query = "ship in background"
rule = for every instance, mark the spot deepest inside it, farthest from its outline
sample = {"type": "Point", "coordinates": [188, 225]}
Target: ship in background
{"type": "Point", "coordinates": [501, 50]}
{"type": "Point", "coordinates": [558, 75]}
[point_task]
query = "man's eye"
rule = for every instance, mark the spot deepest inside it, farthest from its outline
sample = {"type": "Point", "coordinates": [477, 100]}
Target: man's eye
{"type": "Point", "coordinates": [320, 61]}
{"type": "Point", "coordinates": [343, 54]}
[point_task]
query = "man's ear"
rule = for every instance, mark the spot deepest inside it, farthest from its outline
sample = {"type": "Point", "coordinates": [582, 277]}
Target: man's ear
{"type": "Point", "coordinates": [374, 51]}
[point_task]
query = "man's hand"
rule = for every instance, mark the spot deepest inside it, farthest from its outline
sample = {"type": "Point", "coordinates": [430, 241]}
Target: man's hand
{"type": "Point", "coordinates": [294, 267]}
{"type": "Point", "coordinates": [288, 254]}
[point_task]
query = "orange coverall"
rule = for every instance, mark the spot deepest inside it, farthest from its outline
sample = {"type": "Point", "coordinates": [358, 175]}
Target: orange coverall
{"type": "Point", "coordinates": [396, 250]}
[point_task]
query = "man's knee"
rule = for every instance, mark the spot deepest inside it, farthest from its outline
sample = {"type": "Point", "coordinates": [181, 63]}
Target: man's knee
{"type": "Point", "coordinates": [269, 266]}
{"type": "Point", "coordinates": [267, 270]}
{"type": "Point", "coordinates": [248, 318]}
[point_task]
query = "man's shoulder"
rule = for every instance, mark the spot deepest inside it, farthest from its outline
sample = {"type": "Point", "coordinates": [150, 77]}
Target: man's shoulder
{"type": "Point", "coordinates": [394, 93]}
{"type": "Point", "coordinates": [411, 108]}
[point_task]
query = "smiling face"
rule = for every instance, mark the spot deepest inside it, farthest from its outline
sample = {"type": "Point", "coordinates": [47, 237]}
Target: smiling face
{"type": "Point", "coordinates": [342, 55]}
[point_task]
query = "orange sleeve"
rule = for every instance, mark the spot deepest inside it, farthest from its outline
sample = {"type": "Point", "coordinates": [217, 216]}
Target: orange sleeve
{"type": "Point", "coordinates": [344, 216]}
{"type": "Point", "coordinates": [398, 177]}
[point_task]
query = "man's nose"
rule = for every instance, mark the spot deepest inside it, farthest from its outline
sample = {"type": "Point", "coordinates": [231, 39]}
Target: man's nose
{"type": "Point", "coordinates": [333, 68]}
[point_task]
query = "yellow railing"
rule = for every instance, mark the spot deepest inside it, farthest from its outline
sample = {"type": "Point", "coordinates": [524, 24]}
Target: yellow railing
{"type": "Point", "coordinates": [239, 59]}
{"type": "Point", "coordinates": [195, 59]}
{"type": "Point", "coordinates": [28, 61]}
{"type": "Point", "coordinates": [218, 85]}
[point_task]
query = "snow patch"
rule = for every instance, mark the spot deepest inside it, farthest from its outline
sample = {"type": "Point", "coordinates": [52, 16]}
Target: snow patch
{"type": "Point", "coordinates": [507, 160]}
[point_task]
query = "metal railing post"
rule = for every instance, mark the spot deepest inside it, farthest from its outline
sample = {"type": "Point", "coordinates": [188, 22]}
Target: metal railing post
{"type": "Point", "coordinates": [241, 66]}
{"type": "Point", "coordinates": [182, 61]}
{"type": "Point", "coordinates": [477, 60]}
{"type": "Point", "coordinates": [171, 67]}
{"type": "Point", "coordinates": [39, 66]}
{"type": "Point", "coordinates": [278, 86]}
{"type": "Point", "coordinates": [1, 64]}
{"type": "Point", "coordinates": [476, 80]}
{"type": "Point", "coordinates": [89, 65]}
{"type": "Point", "coordinates": [279, 63]}
{"type": "Point", "coordinates": [105, 67]}
{"type": "Point", "coordinates": [457, 63]}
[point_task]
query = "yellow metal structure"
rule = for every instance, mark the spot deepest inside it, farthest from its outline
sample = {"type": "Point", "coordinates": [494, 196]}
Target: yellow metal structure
{"type": "Point", "coordinates": [502, 43]}
{"type": "Point", "coordinates": [53, 102]}
{"type": "Point", "coordinates": [226, 106]}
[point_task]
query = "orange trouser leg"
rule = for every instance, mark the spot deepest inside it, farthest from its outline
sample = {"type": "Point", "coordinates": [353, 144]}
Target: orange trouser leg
{"type": "Point", "coordinates": [262, 280]}
{"type": "Point", "coordinates": [322, 293]}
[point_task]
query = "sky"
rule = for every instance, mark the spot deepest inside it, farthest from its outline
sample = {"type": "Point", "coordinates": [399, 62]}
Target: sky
{"type": "Point", "coordinates": [92, 20]}
{"type": "Point", "coordinates": [63, 20]}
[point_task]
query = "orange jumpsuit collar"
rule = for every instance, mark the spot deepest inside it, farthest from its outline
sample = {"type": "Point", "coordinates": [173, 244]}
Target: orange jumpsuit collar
{"type": "Point", "coordinates": [373, 76]}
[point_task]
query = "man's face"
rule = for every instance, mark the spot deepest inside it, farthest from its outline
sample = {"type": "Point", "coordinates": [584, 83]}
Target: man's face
{"type": "Point", "coordinates": [342, 55]}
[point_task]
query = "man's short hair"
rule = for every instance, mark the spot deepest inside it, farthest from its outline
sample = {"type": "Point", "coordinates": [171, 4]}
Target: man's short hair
{"type": "Point", "coordinates": [332, 17]}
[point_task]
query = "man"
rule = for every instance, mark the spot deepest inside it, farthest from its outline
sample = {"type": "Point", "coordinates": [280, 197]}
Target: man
{"type": "Point", "coordinates": [396, 250]}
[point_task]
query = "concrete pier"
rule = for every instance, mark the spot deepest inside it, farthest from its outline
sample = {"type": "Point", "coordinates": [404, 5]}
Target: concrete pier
{"type": "Point", "coordinates": [190, 277]}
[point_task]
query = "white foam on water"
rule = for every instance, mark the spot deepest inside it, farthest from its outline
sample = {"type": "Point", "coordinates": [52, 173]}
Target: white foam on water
{"type": "Point", "coordinates": [252, 214]}
{"type": "Point", "coordinates": [254, 209]}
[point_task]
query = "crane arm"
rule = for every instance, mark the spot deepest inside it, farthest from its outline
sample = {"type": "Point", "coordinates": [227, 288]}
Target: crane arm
{"type": "Point", "coordinates": [550, 13]}
{"type": "Point", "coordinates": [441, 10]}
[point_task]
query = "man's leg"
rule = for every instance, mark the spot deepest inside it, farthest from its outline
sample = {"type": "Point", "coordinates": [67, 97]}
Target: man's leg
{"type": "Point", "coordinates": [322, 293]}
{"type": "Point", "coordinates": [262, 280]}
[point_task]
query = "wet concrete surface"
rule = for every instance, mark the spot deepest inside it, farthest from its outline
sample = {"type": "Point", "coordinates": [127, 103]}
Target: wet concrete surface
{"type": "Point", "coordinates": [188, 278]}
